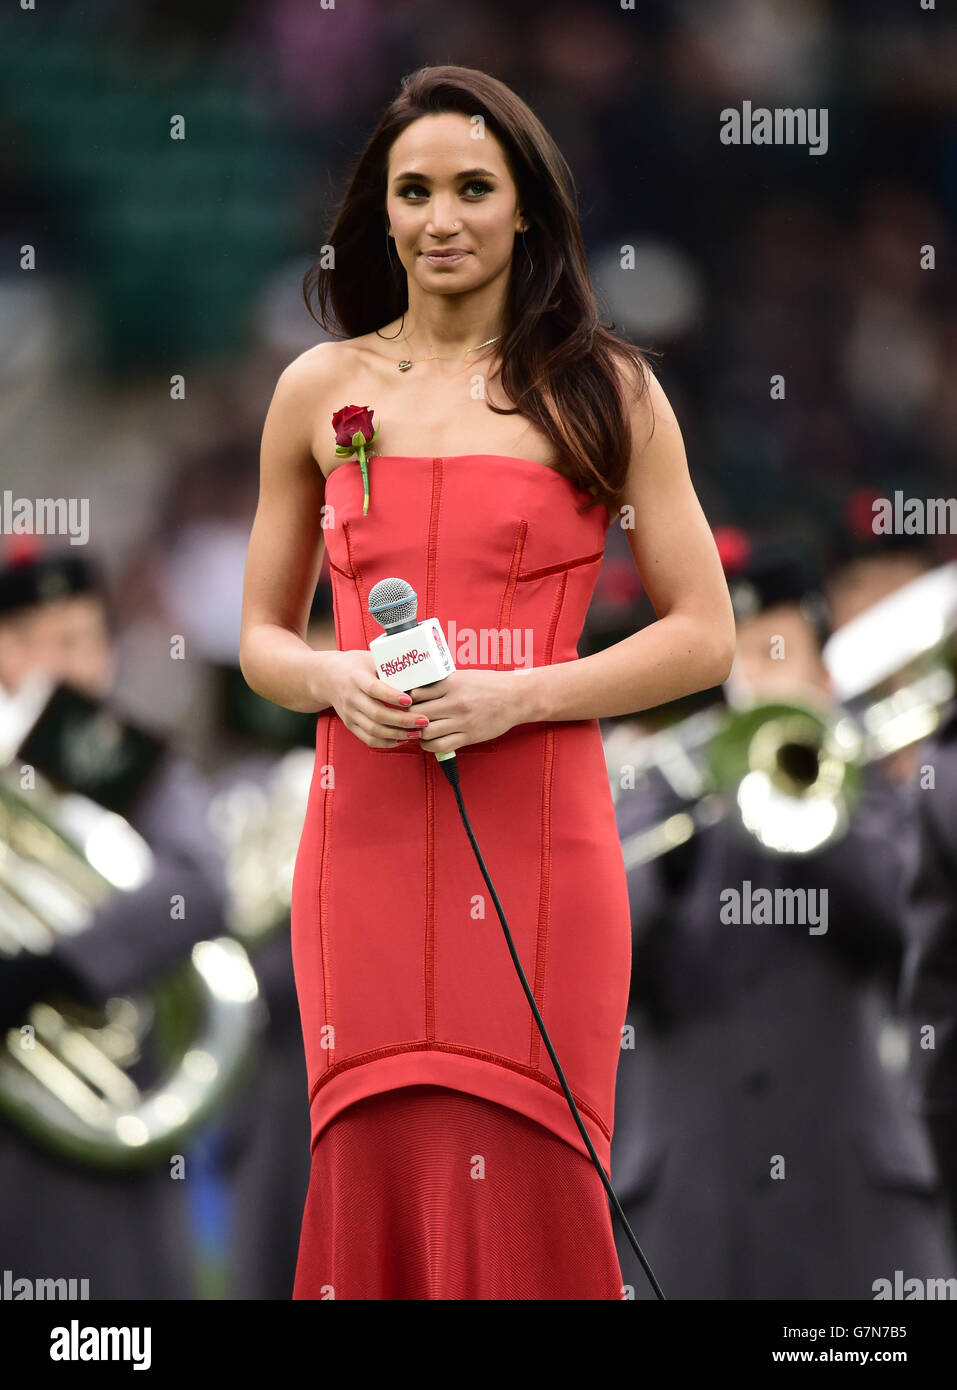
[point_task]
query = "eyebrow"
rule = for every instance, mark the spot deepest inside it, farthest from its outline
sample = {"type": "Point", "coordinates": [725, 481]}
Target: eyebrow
{"type": "Point", "coordinates": [465, 174]}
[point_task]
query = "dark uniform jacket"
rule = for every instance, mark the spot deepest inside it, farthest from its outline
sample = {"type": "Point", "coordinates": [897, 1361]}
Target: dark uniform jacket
{"type": "Point", "coordinates": [128, 1233]}
{"type": "Point", "coordinates": [763, 1146]}
{"type": "Point", "coordinates": [929, 988]}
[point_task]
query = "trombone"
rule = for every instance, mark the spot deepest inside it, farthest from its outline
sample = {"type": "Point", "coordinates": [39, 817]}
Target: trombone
{"type": "Point", "coordinates": [789, 772]}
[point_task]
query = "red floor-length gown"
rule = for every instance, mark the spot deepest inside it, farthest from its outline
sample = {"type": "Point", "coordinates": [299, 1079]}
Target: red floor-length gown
{"type": "Point", "coordinates": [446, 1163]}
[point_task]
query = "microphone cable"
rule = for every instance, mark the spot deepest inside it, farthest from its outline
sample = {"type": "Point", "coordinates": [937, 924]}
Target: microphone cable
{"type": "Point", "coordinates": [449, 765]}
{"type": "Point", "coordinates": [393, 604]}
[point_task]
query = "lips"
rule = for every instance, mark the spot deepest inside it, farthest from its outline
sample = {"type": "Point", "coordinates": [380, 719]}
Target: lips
{"type": "Point", "coordinates": [444, 255]}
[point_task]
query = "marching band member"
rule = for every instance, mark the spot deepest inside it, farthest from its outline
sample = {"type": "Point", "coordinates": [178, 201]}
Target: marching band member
{"type": "Point", "coordinates": [763, 1147]}
{"type": "Point", "coordinates": [929, 988]}
{"type": "Point", "coordinates": [127, 1232]}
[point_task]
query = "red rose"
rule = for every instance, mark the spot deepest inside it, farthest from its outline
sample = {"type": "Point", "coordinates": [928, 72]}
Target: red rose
{"type": "Point", "coordinates": [350, 419]}
{"type": "Point", "coordinates": [354, 434]}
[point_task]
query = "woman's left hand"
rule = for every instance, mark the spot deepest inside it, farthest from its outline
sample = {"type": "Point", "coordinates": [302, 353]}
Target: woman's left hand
{"type": "Point", "coordinates": [469, 707]}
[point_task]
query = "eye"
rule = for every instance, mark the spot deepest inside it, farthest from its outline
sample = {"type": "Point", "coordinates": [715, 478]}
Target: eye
{"type": "Point", "coordinates": [482, 184]}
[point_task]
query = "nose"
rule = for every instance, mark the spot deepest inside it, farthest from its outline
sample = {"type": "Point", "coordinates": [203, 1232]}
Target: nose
{"type": "Point", "coordinates": [442, 220]}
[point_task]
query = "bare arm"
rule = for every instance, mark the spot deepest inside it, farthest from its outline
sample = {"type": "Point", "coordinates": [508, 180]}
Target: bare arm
{"type": "Point", "coordinates": [282, 569]}
{"type": "Point", "coordinates": [285, 553]}
{"type": "Point", "coordinates": [691, 646]}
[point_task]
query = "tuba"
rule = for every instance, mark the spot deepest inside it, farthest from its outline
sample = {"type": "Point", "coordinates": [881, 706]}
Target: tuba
{"type": "Point", "coordinates": [790, 773]}
{"type": "Point", "coordinates": [66, 1073]}
{"type": "Point", "coordinates": [69, 1076]}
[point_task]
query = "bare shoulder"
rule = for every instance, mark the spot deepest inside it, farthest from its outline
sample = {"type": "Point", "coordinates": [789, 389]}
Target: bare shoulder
{"type": "Point", "coordinates": [658, 455]}
{"type": "Point", "coordinates": [651, 415]}
{"type": "Point", "coordinates": [328, 365]}
{"type": "Point", "coordinates": [644, 394]}
{"type": "Point", "coordinates": [309, 389]}
{"type": "Point", "coordinates": [316, 367]}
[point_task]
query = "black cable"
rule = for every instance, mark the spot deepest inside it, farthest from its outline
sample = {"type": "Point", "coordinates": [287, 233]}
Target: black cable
{"type": "Point", "coordinates": [450, 767]}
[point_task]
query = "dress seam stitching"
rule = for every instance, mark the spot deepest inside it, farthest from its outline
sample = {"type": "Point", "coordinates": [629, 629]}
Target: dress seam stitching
{"type": "Point", "coordinates": [324, 896]}
{"type": "Point", "coordinates": [544, 895]}
{"type": "Point", "coordinates": [356, 577]}
{"type": "Point", "coordinates": [435, 503]}
{"type": "Point", "coordinates": [429, 773]}
{"type": "Point", "coordinates": [505, 611]}
{"type": "Point", "coordinates": [561, 566]}
{"type": "Point", "coordinates": [541, 944]}
{"type": "Point", "coordinates": [454, 1049]}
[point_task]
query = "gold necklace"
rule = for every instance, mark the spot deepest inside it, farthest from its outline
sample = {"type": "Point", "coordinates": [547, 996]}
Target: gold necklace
{"type": "Point", "coordinates": [406, 362]}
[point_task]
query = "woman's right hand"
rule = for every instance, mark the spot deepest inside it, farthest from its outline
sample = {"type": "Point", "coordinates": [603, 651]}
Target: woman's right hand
{"type": "Point", "coordinates": [368, 705]}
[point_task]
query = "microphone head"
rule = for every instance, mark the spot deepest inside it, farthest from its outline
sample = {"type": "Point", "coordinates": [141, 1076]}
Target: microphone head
{"type": "Point", "coordinates": [393, 603]}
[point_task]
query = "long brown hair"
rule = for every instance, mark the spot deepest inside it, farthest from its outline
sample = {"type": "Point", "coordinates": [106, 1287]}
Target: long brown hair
{"type": "Point", "coordinates": [560, 364]}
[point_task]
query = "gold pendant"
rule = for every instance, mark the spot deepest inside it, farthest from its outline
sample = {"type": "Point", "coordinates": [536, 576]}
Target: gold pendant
{"type": "Point", "coordinates": [404, 365]}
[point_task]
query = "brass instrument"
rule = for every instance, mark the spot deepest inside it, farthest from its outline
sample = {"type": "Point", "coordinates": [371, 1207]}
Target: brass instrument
{"type": "Point", "coordinates": [64, 1074]}
{"type": "Point", "coordinates": [259, 825]}
{"type": "Point", "coordinates": [67, 1075]}
{"type": "Point", "coordinates": [791, 772]}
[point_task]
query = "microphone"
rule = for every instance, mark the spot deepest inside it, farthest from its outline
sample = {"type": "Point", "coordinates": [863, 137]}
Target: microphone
{"type": "Point", "coordinates": [409, 653]}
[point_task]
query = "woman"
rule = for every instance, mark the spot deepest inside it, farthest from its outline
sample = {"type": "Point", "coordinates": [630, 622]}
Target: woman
{"type": "Point", "coordinates": [512, 428]}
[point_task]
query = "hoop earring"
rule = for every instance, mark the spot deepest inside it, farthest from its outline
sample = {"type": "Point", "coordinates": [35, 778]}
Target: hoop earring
{"type": "Point", "coordinates": [531, 263]}
{"type": "Point", "coordinates": [392, 265]}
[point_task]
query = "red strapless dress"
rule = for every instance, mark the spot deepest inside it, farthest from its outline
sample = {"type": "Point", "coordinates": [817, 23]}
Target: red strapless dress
{"type": "Point", "coordinates": [445, 1160]}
